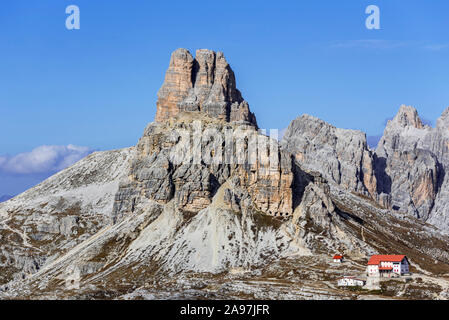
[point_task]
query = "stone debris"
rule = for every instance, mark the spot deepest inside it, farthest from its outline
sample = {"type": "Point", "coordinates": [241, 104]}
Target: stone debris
{"type": "Point", "coordinates": [207, 206]}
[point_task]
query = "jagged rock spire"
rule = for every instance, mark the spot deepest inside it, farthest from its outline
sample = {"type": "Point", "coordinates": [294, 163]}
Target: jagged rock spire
{"type": "Point", "coordinates": [408, 116]}
{"type": "Point", "coordinates": [406, 120]}
{"type": "Point", "coordinates": [408, 170]}
{"type": "Point", "coordinates": [206, 84]}
{"type": "Point", "coordinates": [443, 120]}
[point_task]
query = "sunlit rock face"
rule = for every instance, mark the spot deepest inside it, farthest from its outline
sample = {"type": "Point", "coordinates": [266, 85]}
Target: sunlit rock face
{"type": "Point", "coordinates": [341, 155]}
{"type": "Point", "coordinates": [205, 83]}
{"type": "Point", "coordinates": [200, 112]}
{"type": "Point", "coordinates": [204, 193]}
{"type": "Point", "coordinates": [188, 159]}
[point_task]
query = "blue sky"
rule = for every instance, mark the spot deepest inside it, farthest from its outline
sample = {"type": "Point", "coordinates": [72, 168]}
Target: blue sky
{"type": "Point", "coordinates": [96, 87]}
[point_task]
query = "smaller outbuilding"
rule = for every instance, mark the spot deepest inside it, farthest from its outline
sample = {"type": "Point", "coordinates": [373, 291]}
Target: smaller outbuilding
{"type": "Point", "coordinates": [350, 282]}
{"type": "Point", "coordinates": [338, 258]}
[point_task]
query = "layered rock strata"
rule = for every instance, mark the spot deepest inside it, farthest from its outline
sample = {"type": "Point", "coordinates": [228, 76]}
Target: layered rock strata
{"type": "Point", "coordinates": [203, 84]}
{"type": "Point", "coordinates": [407, 171]}
{"type": "Point", "coordinates": [413, 159]}
{"type": "Point", "coordinates": [203, 192]}
{"type": "Point", "coordinates": [189, 159]}
{"type": "Point", "coordinates": [341, 155]}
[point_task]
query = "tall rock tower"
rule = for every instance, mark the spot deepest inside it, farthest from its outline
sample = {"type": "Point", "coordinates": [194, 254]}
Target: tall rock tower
{"type": "Point", "coordinates": [206, 84]}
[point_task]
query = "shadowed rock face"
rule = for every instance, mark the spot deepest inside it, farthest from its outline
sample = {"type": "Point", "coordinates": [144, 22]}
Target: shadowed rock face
{"type": "Point", "coordinates": [417, 160]}
{"type": "Point", "coordinates": [407, 170]}
{"type": "Point", "coordinates": [412, 181]}
{"type": "Point", "coordinates": [205, 83]}
{"type": "Point", "coordinates": [199, 191]}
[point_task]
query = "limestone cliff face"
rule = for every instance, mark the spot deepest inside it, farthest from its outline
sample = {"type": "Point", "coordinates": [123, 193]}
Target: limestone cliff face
{"type": "Point", "coordinates": [341, 155]}
{"type": "Point", "coordinates": [422, 184]}
{"type": "Point", "coordinates": [188, 159]}
{"type": "Point", "coordinates": [178, 82]}
{"type": "Point", "coordinates": [439, 144]}
{"type": "Point", "coordinates": [204, 137]}
{"type": "Point", "coordinates": [408, 172]}
{"type": "Point", "coordinates": [407, 117]}
{"type": "Point", "coordinates": [204, 191]}
{"type": "Point", "coordinates": [410, 179]}
{"type": "Point", "coordinates": [205, 83]}
{"type": "Point", "coordinates": [404, 132]}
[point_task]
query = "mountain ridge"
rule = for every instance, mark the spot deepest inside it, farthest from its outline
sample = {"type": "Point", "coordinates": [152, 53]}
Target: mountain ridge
{"type": "Point", "coordinates": [405, 172]}
{"type": "Point", "coordinates": [205, 197]}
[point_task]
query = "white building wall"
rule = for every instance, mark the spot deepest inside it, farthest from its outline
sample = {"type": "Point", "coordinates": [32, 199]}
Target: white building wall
{"type": "Point", "coordinates": [359, 283]}
{"type": "Point", "coordinates": [350, 282]}
{"type": "Point", "coordinates": [398, 268]}
{"type": "Point", "coordinates": [373, 270]}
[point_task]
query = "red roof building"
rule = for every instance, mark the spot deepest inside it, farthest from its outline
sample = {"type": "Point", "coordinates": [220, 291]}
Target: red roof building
{"type": "Point", "coordinates": [387, 265]}
{"type": "Point", "coordinates": [338, 258]}
{"type": "Point", "coordinates": [376, 259]}
{"type": "Point", "coordinates": [385, 268]}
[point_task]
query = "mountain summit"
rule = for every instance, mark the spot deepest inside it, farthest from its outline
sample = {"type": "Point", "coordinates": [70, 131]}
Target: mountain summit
{"type": "Point", "coordinates": [408, 116]}
{"type": "Point", "coordinates": [206, 84]}
{"type": "Point", "coordinates": [207, 206]}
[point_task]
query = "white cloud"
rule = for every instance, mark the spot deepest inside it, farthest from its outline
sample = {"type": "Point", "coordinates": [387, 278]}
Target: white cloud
{"type": "Point", "coordinates": [437, 47]}
{"type": "Point", "coordinates": [2, 161]}
{"type": "Point", "coordinates": [43, 159]}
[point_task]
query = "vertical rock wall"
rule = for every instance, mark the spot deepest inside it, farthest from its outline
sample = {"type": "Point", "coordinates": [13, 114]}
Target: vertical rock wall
{"type": "Point", "coordinates": [205, 83]}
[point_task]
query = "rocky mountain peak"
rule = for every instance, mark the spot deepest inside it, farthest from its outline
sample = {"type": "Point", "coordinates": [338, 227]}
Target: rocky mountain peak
{"type": "Point", "coordinates": [443, 120]}
{"type": "Point", "coordinates": [409, 157]}
{"type": "Point", "coordinates": [206, 84]}
{"type": "Point", "coordinates": [403, 132]}
{"type": "Point", "coordinates": [408, 116]}
{"type": "Point", "coordinates": [341, 155]}
{"type": "Point", "coordinates": [204, 192]}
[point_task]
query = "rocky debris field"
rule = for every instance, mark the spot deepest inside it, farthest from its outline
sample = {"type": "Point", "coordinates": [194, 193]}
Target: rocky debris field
{"type": "Point", "coordinates": [206, 206]}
